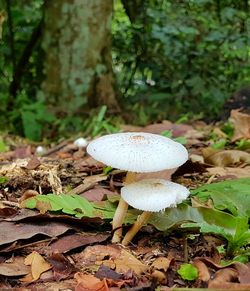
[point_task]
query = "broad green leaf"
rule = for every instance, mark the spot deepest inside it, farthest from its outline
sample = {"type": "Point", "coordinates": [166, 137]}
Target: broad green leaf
{"type": "Point", "coordinates": [185, 213]}
{"type": "Point", "coordinates": [188, 272]}
{"type": "Point", "coordinates": [236, 237]}
{"type": "Point", "coordinates": [69, 204]}
{"type": "Point", "coordinates": [233, 195]}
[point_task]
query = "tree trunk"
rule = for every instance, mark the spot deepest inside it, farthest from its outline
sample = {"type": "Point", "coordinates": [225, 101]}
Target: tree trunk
{"type": "Point", "coordinates": [78, 65]}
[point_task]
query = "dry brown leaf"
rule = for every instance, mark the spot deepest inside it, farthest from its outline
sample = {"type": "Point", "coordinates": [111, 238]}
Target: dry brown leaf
{"type": "Point", "coordinates": [229, 171]}
{"type": "Point", "coordinates": [161, 263]}
{"type": "Point", "coordinates": [72, 241]}
{"type": "Point", "coordinates": [90, 283]}
{"type": "Point", "coordinates": [127, 261]}
{"type": "Point", "coordinates": [10, 231]}
{"type": "Point", "coordinates": [226, 157]}
{"type": "Point", "coordinates": [33, 163]}
{"type": "Point", "coordinates": [38, 266]}
{"type": "Point", "coordinates": [196, 158]}
{"type": "Point", "coordinates": [159, 276]}
{"type": "Point", "coordinates": [241, 122]}
{"type": "Point", "coordinates": [227, 279]}
{"type": "Point", "coordinates": [14, 268]}
{"type": "Point", "coordinates": [204, 274]}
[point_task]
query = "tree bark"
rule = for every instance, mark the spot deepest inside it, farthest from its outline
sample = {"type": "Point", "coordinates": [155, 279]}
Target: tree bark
{"type": "Point", "coordinates": [78, 65]}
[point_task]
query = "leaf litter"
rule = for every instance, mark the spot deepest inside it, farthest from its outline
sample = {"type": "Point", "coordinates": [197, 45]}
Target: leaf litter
{"type": "Point", "coordinates": [63, 242]}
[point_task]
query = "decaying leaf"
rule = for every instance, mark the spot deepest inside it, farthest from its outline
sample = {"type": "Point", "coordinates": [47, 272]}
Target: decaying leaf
{"type": "Point", "coordinates": [61, 266]}
{"type": "Point", "coordinates": [90, 283]}
{"type": "Point", "coordinates": [14, 268]}
{"type": "Point", "coordinates": [226, 157]}
{"type": "Point", "coordinates": [11, 231]}
{"type": "Point", "coordinates": [72, 241]}
{"type": "Point", "coordinates": [126, 261]}
{"type": "Point", "coordinates": [119, 259]}
{"type": "Point", "coordinates": [241, 122]}
{"type": "Point", "coordinates": [227, 278]}
{"type": "Point", "coordinates": [161, 263]}
{"type": "Point", "coordinates": [38, 266]}
{"type": "Point", "coordinates": [203, 271]}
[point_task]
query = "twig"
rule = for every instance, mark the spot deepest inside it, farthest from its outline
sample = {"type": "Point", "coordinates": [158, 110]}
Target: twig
{"type": "Point", "coordinates": [9, 203]}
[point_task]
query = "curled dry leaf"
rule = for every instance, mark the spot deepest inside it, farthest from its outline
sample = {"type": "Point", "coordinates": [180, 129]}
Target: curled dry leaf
{"type": "Point", "coordinates": [204, 274]}
{"type": "Point", "coordinates": [227, 278]}
{"type": "Point", "coordinates": [38, 266]}
{"type": "Point", "coordinates": [241, 122]}
{"type": "Point", "coordinates": [226, 157]}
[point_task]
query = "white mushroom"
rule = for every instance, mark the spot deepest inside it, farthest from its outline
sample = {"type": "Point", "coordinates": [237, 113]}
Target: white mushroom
{"type": "Point", "coordinates": [151, 195]}
{"type": "Point", "coordinates": [81, 142]}
{"type": "Point", "coordinates": [135, 152]}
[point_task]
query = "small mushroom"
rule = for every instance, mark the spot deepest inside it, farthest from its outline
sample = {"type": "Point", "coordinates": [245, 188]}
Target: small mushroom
{"type": "Point", "coordinates": [151, 195]}
{"type": "Point", "coordinates": [135, 152]}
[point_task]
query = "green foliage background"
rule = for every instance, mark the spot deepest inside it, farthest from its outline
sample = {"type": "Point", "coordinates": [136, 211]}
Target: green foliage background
{"type": "Point", "coordinates": [170, 58]}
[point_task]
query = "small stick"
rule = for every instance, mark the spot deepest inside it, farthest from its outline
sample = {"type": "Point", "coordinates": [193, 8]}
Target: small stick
{"type": "Point", "coordinates": [9, 203]}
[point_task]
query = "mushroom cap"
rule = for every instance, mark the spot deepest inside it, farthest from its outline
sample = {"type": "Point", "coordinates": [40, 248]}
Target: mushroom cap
{"type": "Point", "coordinates": [138, 152]}
{"type": "Point", "coordinates": [154, 194]}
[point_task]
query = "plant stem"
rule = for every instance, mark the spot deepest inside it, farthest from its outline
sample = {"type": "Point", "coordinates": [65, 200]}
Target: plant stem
{"type": "Point", "coordinates": [141, 220]}
{"type": "Point", "coordinates": [121, 212]}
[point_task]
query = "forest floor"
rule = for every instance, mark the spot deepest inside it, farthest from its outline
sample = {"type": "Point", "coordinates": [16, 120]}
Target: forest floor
{"type": "Point", "coordinates": [57, 250]}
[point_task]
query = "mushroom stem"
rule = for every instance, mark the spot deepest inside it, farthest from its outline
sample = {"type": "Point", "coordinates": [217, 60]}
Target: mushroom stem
{"type": "Point", "coordinates": [141, 220]}
{"type": "Point", "coordinates": [121, 212]}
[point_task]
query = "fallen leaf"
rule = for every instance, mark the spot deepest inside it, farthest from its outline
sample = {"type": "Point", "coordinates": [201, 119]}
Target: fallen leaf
{"type": "Point", "coordinates": [33, 163]}
{"type": "Point", "coordinates": [14, 268]}
{"type": "Point", "coordinates": [204, 274]}
{"type": "Point", "coordinates": [226, 157]}
{"type": "Point", "coordinates": [161, 263]}
{"type": "Point", "coordinates": [229, 171]}
{"type": "Point", "coordinates": [38, 266]}
{"type": "Point", "coordinates": [61, 266]}
{"type": "Point", "coordinates": [11, 231]}
{"type": "Point", "coordinates": [89, 283]}
{"type": "Point", "coordinates": [69, 242]}
{"type": "Point", "coordinates": [106, 272]}
{"type": "Point", "coordinates": [97, 194]}
{"type": "Point", "coordinates": [126, 261]}
{"type": "Point", "coordinates": [241, 122]}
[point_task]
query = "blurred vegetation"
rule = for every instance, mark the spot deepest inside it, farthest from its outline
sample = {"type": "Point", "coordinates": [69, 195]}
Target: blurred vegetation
{"type": "Point", "coordinates": [171, 58]}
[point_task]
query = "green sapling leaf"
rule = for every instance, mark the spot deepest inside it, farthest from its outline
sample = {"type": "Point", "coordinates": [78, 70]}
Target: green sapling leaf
{"type": "Point", "coordinates": [188, 272]}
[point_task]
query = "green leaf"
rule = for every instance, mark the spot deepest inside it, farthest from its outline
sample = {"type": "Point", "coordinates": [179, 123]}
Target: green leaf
{"type": "Point", "coordinates": [233, 195]}
{"type": "Point", "coordinates": [3, 146]}
{"type": "Point", "coordinates": [236, 237]}
{"type": "Point", "coordinates": [69, 204]}
{"type": "Point", "coordinates": [3, 179]}
{"type": "Point", "coordinates": [188, 272]}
